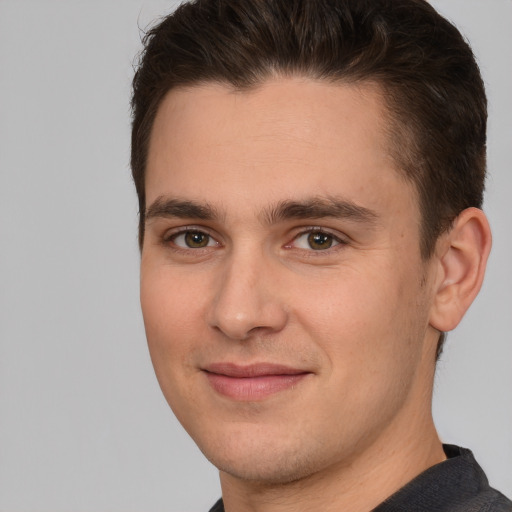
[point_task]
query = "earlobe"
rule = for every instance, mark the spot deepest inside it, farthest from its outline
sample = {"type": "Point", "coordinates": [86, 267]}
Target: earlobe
{"type": "Point", "coordinates": [461, 256]}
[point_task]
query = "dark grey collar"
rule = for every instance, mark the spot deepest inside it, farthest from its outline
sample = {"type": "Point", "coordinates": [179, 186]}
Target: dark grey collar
{"type": "Point", "coordinates": [456, 485]}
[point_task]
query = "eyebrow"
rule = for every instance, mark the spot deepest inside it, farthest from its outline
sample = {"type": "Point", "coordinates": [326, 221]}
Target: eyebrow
{"type": "Point", "coordinates": [184, 209]}
{"type": "Point", "coordinates": [318, 208]}
{"type": "Point", "coordinates": [311, 208]}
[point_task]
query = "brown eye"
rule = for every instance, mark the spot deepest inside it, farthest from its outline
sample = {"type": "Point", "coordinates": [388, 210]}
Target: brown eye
{"type": "Point", "coordinates": [190, 239]}
{"type": "Point", "coordinates": [196, 239]}
{"type": "Point", "coordinates": [318, 240]}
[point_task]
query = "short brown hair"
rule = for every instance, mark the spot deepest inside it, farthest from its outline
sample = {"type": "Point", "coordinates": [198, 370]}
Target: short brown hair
{"type": "Point", "coordinates": [426, 71]}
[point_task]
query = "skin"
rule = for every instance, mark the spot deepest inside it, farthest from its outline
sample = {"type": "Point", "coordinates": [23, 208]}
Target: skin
{"type": "Point", "coordinates": [359, 314]}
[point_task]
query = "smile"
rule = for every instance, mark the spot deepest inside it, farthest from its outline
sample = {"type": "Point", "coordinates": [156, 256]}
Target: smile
{"type": "Point", "coordinates": [254, 382]}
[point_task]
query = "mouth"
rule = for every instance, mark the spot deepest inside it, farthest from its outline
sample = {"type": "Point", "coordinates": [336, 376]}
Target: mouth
{"type": "Point", "coordinates": [253, 382]}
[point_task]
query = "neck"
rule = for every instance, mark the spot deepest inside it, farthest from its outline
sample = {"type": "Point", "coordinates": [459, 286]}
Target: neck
{"type": "Point", "coordinates": [358, 486]}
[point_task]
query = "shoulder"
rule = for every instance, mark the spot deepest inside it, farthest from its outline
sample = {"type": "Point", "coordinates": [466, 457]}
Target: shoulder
{"type": "Point", "coordinates": [470, 490]}
{"type": "Point", "coordinates": [458, 484]}
{"type": "Point", "coordinates": [484, 498]}
{"type": "Point", "coordinates": [218, 507]}
{"type": "Point", "coordinates": [496, 502]}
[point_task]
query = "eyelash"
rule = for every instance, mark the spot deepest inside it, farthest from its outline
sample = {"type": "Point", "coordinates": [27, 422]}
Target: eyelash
{"type": "Point", "coordinates": [170, 238]}
{"type": "Point", "coordinates": [337, 240]}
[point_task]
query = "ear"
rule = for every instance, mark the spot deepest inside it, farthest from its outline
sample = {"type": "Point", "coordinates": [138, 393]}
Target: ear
{"type": "Point", "coordinates": [461, 256]}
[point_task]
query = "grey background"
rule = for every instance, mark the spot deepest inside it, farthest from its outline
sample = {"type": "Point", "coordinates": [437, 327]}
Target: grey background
{"type": "Point", "coordinates": [83, 425]}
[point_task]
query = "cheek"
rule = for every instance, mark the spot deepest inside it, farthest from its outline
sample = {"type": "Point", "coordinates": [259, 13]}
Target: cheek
{"type": "Point", "coordinates": [172, 310]}
{"type": "Point", "coordinates": [171, 306]}
{"type": "Point", "coordinates": [371, 333]}
{"type": "Point", "coordinates": [367, 317]}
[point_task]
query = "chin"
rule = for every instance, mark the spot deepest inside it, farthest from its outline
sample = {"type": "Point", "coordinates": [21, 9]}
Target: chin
{"type": "Point", "coordinates": [267, 461]}
{"type": "Point", "coordinates": [271, 471]}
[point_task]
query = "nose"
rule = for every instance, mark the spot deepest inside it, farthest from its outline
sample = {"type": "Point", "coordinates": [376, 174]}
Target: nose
{"type": "Point", "coordinates": [247, 299]}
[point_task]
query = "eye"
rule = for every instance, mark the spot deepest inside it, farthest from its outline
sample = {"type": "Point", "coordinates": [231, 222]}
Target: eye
{"type": "Point", "coordinates": [192, 239]}
{"type": "Point", "coordinates": [316, 241]}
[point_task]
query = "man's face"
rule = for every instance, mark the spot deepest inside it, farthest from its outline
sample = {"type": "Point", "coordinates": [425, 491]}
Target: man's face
{"type": "Point", "coordinates": [285, 301]}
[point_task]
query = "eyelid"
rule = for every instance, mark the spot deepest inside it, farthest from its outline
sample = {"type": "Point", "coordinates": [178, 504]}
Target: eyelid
{"type": "Point", "coordinates": [338, 237]}
{"type": "Point", "coordinates": [173, 233]}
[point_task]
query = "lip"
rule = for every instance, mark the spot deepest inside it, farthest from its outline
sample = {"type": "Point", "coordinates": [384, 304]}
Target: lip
{"type": "Point", "coordinates": [252, 382]}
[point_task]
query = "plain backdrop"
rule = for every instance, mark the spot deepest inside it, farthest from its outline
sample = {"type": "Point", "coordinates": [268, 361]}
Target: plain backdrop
{"type": "Point", "coordinates": [83, 425]}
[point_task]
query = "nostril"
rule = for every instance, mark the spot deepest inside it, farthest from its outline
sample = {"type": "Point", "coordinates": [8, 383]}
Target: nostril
{"type": "Point", "coordinates": [246, 302]}
{"type": "Point", "coordinates": [240, 320]}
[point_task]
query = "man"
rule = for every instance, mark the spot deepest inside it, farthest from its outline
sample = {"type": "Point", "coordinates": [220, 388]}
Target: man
{"type": "Point", "coordinates": [310, 177]}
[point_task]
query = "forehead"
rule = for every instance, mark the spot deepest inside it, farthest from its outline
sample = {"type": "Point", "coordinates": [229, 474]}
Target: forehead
{"type": "Point", "coordinates": [280, 140]}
